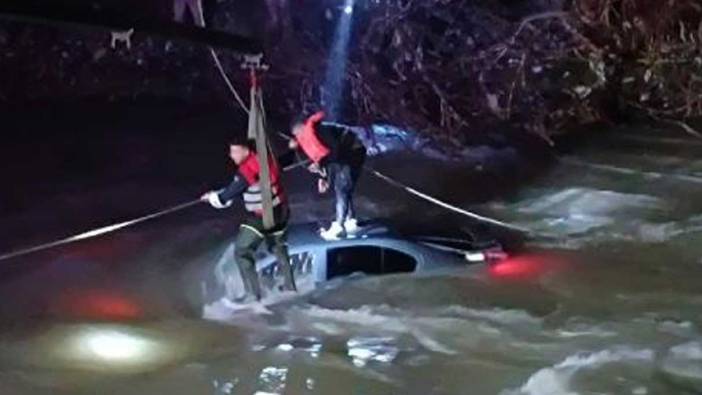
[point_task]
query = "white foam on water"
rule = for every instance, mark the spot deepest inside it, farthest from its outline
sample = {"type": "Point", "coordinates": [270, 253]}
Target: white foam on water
{"type": "Point", "coordinates": [362, 316]}
{"type": "Point", "coordinates": [681, 228]}
{"type": "Point", "coordinates": [507, 317]}
{"type": "Point", "coordinates": [658, 140]}
{"type": "Point", "coordinates": [216, 311]}
{"type": "Point", "coordinates": [273, 378]}
{"type": "Point", "coordinates": [593, 332]}
{"type": "Point", "coordinates": [574, 224]}
{"type": "Point", "coordinates": [548, 202]}
{"type": "Point", "coordinates": [685, 361]}
{"type": "Point", "coordinates": [683, 329]}
{"type": "Point", "coordinates": [556, 380]}
{"type": "Point", "coordinates": [430, 343]}
{"type": "Point", "coordinates": [634, 172]}
{"type": "Point", "coordinates": [580, 211]}
{"type": "Point", "coordinates": [363, 350]}
{"type": "Point", "coordinates": [584, 328]}
{"type": "Point", "coordinates": [367, 318]}
{"type": "Point", "coordinates": [690, 351]}
{"type": "Point", "coordinates": [582, 230]}
{"type": "Point", "coordinates": [229, 277]}
{"type": "Point", "coordinates": [588, 202]}
{"type": "Point", "coordinates": [226, 310]}
{"type": "Point", "coordinates": [648, 232]}
{"type": "Point", "coordinates": [640, 391]}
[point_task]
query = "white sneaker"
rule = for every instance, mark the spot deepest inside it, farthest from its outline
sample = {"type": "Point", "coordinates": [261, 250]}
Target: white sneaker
{"type": "Point", "coordinates": [334, 232]}
{"type": "Point", "coordinates": [351, 225]}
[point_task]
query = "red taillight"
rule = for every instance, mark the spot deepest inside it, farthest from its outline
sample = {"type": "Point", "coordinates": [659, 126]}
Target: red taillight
{"type": "Point", "coordinates": [510, 268]}
{"type": "Point", "coordinates": [524, 267]}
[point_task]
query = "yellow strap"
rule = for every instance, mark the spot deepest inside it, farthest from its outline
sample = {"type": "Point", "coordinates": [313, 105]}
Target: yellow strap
{"type": "Point", "coordinates": [258, 232]}
{"type": "Point", "coordinates": [280, 232]}
{"type": "Point", "coordinates": [251, 228]}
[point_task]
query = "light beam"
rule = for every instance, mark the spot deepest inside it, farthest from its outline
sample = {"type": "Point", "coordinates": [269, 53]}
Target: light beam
{"type": "Point", "coordinates": [333, 88]}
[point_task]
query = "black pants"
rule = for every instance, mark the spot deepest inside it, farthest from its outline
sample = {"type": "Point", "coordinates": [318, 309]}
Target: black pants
{"type": "Point", "coordinates": [343, 177]}
{"type": "Point", "coordinates": [250, 237]}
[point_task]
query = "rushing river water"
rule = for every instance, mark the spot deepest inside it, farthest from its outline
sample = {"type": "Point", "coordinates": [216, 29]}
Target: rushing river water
{"type": "Point", "coordinates": [606, 300]}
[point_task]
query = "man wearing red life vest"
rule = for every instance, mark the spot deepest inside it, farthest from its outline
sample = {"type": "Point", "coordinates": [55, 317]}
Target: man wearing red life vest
{"type": "Point", "coordinates": [337, 155]}
{"type": "Point", "coordinates": [252, 232]}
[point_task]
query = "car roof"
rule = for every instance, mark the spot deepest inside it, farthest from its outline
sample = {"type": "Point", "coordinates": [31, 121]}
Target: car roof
{"type": "Point", "coordinates": [308, 234]}
{"type": "Point", "coordinates": [305, 236]}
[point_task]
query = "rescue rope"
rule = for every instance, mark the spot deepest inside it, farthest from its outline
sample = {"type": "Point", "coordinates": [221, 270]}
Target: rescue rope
{"type": "Point", "coordinates": [218, 64]}
{"type": "Point", "coordinates": [445, 205]}
{"type": "Point", "coordinates": [113, 228]}
{"type": "Point", "coordinates": [227, 81]}
{"type": "Point", "coordinates": [98, 232]}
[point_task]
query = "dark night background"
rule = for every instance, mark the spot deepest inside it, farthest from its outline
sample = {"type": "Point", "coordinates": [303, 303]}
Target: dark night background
{"type": "Point", "coordinates": [577, 119]}
{"type": "Point", "coordinates": [85, 122]}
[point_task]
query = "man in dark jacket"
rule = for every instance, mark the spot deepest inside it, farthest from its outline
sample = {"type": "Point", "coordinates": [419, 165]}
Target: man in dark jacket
{"type": "Point", "coordinates": [253, 232]}
{"type": "Point", "coordinates": [337, 155]}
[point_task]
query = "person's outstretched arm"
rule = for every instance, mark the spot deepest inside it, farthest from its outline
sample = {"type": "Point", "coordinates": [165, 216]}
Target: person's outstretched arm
{"type": "Point", "coordinates": [223, 198]}
{"type": "Point", "coordinates": [234, 189]}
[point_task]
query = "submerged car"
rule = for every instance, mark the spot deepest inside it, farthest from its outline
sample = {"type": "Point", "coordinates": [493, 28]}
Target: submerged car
{"type": "Point", "coordinates": [375, 250]}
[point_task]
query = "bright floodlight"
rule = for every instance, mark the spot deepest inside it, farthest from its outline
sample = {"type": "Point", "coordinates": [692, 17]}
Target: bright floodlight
{"type": "Point", "coordinates": [110, 347]}
{"type": "Point", "coordinates": [348, 9]}
{"type": "Point", "coordinates": [116, 346]}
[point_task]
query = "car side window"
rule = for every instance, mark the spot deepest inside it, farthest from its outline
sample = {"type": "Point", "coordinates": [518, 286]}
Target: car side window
{"type": "Point", "coordinates": [397, 262]}
{"type": "Point", "coordinates": [368, 260]}
{"type": "Point", "coordinates": [347, 260]}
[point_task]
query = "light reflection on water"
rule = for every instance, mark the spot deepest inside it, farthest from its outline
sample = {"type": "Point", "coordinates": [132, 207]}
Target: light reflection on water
{"type": "Point", "coordinates": [365, 350]}
{"type": "Point", "coordinates": [272, 379]}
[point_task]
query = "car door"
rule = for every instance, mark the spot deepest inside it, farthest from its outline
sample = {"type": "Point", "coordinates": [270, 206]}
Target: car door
{"type": "Point", "coordinates": [305, 262]}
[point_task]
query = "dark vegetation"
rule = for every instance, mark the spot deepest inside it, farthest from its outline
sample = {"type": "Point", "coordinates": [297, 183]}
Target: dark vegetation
{"type": "Point", "coordinates": [450, 68]}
